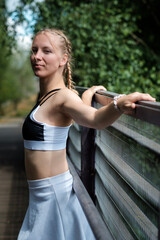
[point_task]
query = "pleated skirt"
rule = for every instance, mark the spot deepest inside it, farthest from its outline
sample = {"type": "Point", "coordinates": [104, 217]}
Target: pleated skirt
{"type": "Point", "coordinates": [54, 211]}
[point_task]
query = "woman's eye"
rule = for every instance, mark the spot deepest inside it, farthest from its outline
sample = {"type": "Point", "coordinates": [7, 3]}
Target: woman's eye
{"type": "Point", "coordinates": [47, 51]}
{"type": "Point", "coordinates": [33, 51]}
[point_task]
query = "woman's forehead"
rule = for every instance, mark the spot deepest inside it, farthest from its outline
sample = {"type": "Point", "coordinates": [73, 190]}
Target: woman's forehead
{"type": "Point", "coordinates": [47, 39]}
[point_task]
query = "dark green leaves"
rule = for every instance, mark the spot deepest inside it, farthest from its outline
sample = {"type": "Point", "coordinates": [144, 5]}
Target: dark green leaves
{"type": "Point", "coordinates": [110, 41]}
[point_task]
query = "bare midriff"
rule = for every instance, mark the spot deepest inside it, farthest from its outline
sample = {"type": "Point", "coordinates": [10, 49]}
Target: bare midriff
{"type": "Point", "coordinates": [42, 164]}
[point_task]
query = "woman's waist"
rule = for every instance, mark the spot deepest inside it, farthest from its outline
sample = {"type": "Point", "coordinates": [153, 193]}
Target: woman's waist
{"type": "Point", "coordinates": [43, 164]}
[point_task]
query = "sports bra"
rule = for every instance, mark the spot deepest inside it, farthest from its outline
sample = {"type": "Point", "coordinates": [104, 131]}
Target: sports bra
{"type": "Point", "coordinates": [42, 136]}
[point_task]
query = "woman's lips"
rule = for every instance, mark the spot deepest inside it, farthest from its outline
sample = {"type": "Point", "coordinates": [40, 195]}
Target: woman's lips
{"type": "Point", "coordinates": [37, 66]}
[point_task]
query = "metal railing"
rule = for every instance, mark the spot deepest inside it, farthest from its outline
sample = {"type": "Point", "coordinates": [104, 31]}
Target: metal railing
{"type": "Point", "coordinates": [120, 168]}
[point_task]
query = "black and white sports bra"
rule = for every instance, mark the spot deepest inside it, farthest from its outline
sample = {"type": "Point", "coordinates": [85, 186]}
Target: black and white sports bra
{"type": "Point", "coordinates": [42, 136]}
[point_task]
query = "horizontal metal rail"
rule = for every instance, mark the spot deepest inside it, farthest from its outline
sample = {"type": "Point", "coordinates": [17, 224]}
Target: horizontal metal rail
{"type": "Point", "coordinates": [145, 110]}
{"type": "Point", "coordinates": [119, 166]}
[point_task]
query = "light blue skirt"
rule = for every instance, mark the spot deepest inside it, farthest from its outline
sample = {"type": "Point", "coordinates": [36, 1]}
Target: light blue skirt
{"type": "Point", "coordinates": [54, 212]}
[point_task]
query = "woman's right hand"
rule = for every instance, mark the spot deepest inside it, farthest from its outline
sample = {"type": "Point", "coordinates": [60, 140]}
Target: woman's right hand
{"type": "Point", "coordinates": [128, 102]}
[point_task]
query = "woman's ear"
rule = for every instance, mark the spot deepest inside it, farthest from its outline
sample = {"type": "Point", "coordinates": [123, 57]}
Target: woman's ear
{"type": "Point", "coordinates": [64, 60]}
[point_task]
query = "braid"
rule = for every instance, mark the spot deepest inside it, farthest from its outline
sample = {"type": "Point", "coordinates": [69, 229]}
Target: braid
{"type": "Point", "coordinates": [66, 48]}
{"type": "Point", "coordinates": [69, 78]}
{"type": "Point", "coordinates": [69, 75]}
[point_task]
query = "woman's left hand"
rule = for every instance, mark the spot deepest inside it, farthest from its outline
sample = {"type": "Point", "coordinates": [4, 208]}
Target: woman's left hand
{"type": "Point", "coordinates": [89, 93]}
{"type": "Point", "coordinates": [94, 89]}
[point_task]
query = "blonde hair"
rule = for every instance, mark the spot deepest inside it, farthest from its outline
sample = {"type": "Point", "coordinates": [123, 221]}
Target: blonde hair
{"type": "Point", "coordinates": [66, 48]}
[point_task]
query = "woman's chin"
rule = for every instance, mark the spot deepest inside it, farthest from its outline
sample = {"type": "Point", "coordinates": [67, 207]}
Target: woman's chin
{"type": "Point", "coordinates": [38, 74]}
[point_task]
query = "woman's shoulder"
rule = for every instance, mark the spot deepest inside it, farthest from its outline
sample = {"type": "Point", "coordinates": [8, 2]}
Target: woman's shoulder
{"type": "Point", "coordinates": [67, 97]}
{"type": "Point", "coordinates": [68, 94]}
{"type": "Point", "coordinates": [67, 90]}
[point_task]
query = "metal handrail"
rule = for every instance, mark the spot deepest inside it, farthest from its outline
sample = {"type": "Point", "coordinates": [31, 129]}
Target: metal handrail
{"type": "Point", "coordinates": [146, 111]}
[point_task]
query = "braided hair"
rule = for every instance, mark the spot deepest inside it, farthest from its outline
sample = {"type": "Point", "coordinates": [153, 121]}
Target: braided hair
{"type": "Point", "coordinates": [66, 47]}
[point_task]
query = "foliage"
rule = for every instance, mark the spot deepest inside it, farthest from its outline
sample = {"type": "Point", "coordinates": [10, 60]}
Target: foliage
{"type": "Point", "coordinates": [111, 45]}
{"type": "Point", "coordinates": [16, 79]}
{"type": "Point", "coordinates": [5, 51]}
{"type": "Point", "coordinates": [17, 82]}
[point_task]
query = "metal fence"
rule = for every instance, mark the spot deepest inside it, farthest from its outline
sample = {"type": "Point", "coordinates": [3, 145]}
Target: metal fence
{"type": "Point", "coordinates": [120, 168]}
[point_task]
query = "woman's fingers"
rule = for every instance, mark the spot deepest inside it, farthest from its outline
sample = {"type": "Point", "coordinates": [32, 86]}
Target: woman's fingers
{"type": "Point", "coordinates": [142, 97]}
{"type": "Point", "coordinates": [98, 88]}
{"type": "Point", "coordinates": [128, 102]}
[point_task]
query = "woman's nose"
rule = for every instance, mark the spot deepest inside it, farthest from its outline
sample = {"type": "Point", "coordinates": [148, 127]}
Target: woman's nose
{"type": "Point", "coordinates": [38, 55]}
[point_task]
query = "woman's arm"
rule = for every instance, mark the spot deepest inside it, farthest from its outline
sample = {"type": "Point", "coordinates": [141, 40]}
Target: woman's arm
{"type": "Point", "coordinates": [73, 107]}
{"type": "Point", "coordinates": [89, 93]}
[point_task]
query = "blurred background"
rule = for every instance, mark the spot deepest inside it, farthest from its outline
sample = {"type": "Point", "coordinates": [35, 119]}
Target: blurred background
{"type": "Point", "coordinates": [115, 43]}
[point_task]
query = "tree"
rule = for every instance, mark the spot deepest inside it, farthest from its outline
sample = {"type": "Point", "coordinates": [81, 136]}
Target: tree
{"type": "Point", "coordinates": [5, 51]}
{"type": "Point", "coordinates": [16, 78]}
{"type": "Point", "coordinates": [111, 46]}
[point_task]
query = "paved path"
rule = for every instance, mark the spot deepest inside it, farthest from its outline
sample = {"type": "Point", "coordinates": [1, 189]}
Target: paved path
{"type": "Point", "coordinates": [13, 185]}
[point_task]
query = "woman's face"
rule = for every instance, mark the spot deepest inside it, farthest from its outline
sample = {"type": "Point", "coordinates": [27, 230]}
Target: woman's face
{"type": "Point", "coordinates": [46, 57]}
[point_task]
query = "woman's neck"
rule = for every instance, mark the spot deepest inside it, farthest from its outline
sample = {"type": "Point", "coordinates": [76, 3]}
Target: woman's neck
{"type": "Point", "coordinates": [47, 85]}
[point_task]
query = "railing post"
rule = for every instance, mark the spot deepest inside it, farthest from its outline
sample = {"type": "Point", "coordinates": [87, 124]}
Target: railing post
{"type": "Point", "coordinates": [88, 160]}
{"type": "Point", "coordinates": [159, 222]}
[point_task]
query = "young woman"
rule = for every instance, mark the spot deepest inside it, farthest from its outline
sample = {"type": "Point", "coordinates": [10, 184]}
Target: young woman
{"type": "Point", "coordinates": [54, 212]}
